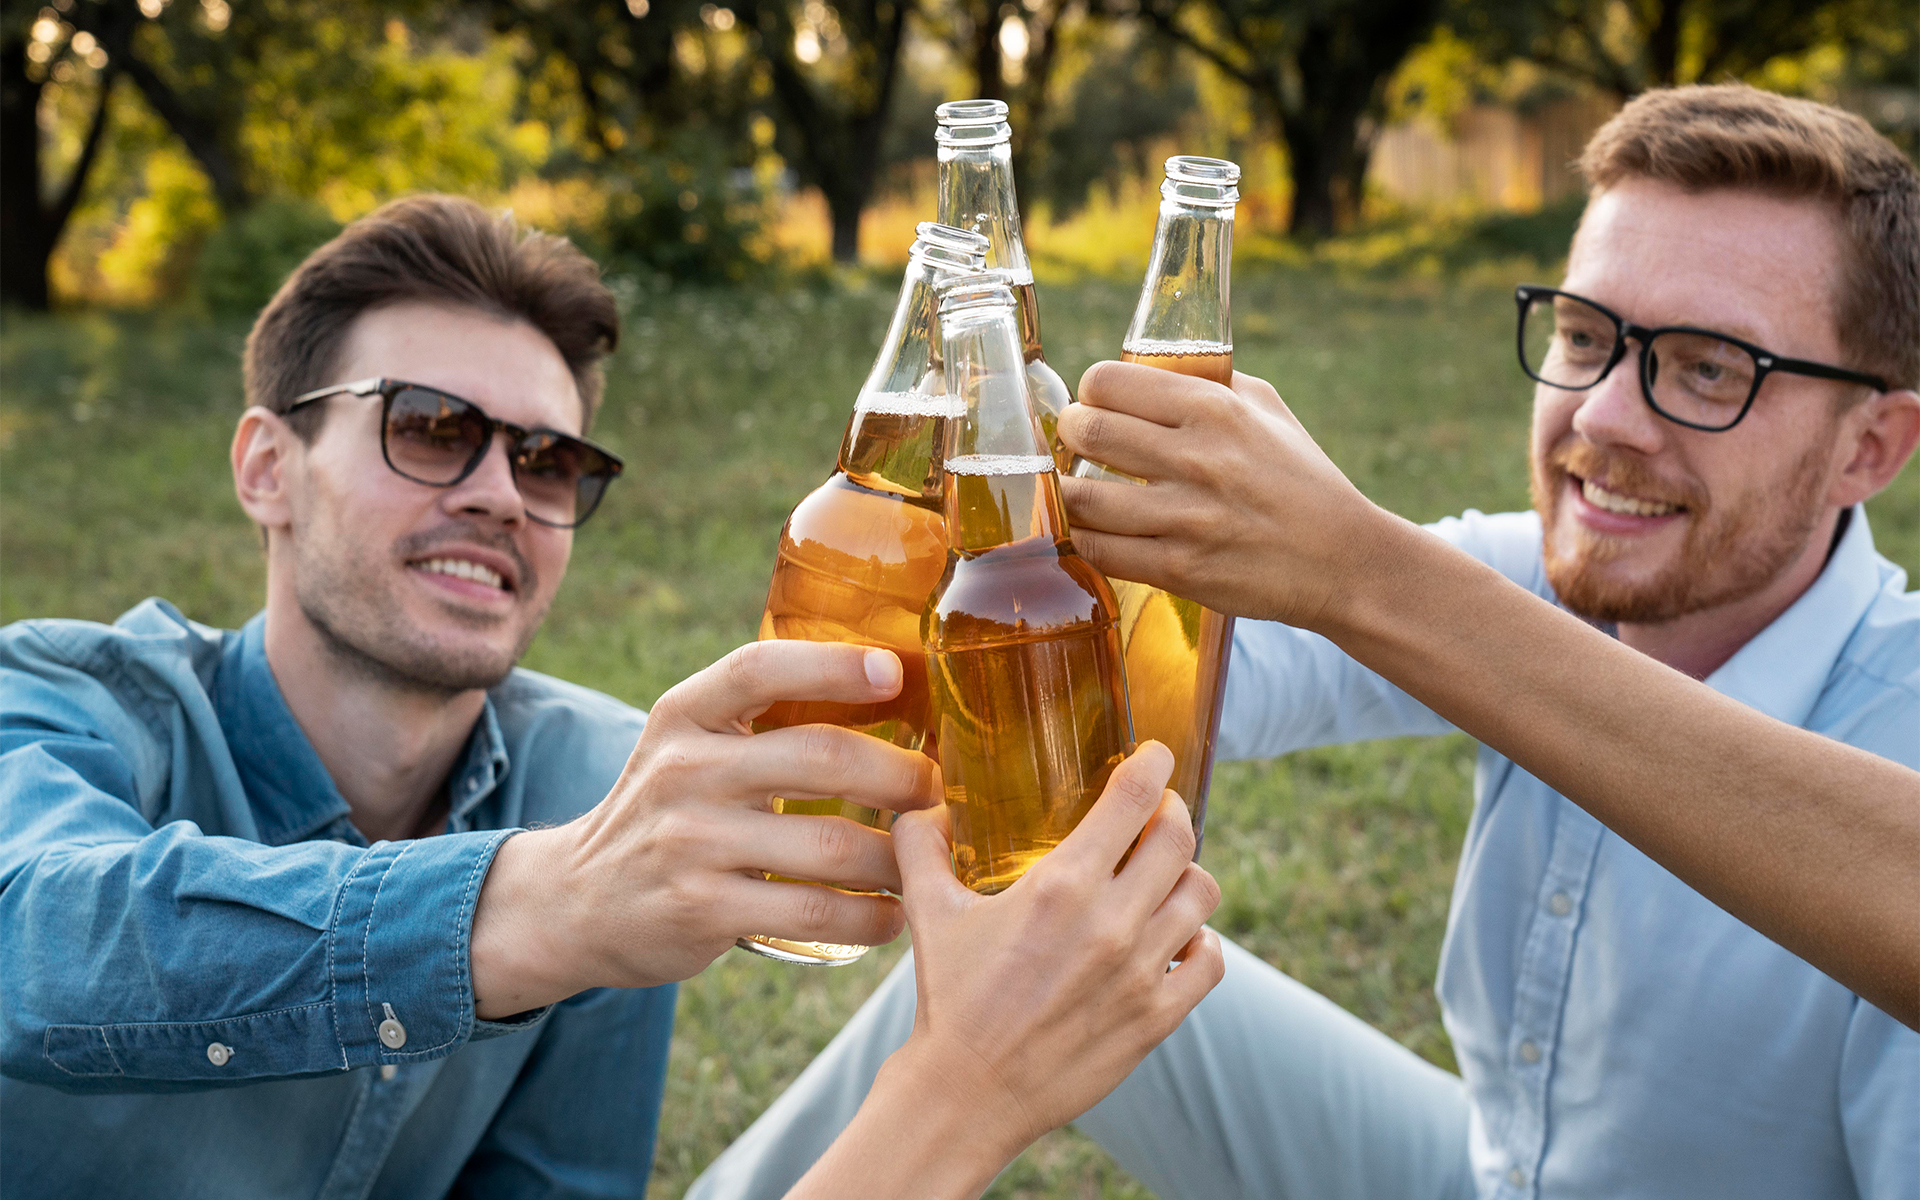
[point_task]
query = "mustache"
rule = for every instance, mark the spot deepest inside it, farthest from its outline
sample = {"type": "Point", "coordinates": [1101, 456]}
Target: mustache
{"type": "Point", "coordinates": [418, 545]}
{"type": "Point", "coordinates": [1625, 473]}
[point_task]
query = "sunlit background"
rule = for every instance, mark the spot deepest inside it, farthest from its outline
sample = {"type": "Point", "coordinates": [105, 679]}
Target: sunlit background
{"type": "Point", "coordinates": [750, 176]}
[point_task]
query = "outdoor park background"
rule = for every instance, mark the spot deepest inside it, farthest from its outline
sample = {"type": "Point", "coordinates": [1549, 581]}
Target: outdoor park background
{"type": "Point", "coordinates": [750, 176]}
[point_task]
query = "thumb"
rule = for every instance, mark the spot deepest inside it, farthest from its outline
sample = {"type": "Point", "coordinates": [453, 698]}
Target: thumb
{"type": "Point", "coordinates": [924, 851]}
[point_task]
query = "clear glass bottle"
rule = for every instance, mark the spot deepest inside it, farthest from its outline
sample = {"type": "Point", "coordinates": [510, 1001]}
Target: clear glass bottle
{"type": "Point", "coordinates": [1177, 650]}
{"type": "Point", "coordinates": [976, 192]}
{"type": "Point", "coordinates": [1023, 647]}
{"type": "Point", "coordinates": [860, 555]}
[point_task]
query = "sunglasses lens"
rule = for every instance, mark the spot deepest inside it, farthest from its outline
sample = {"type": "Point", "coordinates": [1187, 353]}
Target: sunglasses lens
{"type": "Point", "coordinates": [431, 437]}
{"type": "Point", "coordinates": [560, 478]}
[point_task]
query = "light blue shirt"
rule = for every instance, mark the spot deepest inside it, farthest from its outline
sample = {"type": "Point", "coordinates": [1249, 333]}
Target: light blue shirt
{"type": "Point", "coordinates": [1619, 1034]}
{"type": "Point", "coordinates": [214, 987]}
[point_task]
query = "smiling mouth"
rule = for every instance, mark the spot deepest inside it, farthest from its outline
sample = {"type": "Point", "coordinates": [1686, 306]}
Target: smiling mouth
{"type": "Point", "coordinates": [1616, 502]}
{"type": "Point", "coordinates": [460, 568]}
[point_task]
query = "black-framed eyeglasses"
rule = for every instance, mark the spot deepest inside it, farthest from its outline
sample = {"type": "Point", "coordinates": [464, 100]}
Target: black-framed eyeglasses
{"type": "Point", "coordinates": [1692, 377]}
{"type": "Point", "coordinates": [436, 438]}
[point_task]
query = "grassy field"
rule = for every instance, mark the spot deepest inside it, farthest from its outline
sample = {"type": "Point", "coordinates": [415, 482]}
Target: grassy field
{"type": "Point", "coordinates": [1336, 864]}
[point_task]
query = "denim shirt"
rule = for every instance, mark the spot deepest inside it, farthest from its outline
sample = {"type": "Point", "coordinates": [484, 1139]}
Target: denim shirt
{"type": "Point", "coordinates": [214, 987]}
{"type": "Point", "coordinates": [1619, 1034]}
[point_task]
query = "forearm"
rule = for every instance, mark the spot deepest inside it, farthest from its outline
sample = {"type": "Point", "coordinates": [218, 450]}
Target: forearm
{"type": "Point", "coordinates": [914, 1138]}
{"type": "Point", "coordinates": [1812, 842]}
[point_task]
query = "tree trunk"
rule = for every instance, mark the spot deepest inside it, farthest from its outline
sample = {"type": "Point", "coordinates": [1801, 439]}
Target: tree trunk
{"type": "Point", "coordinates": [1663, 46]}
{"type": "Point", "coordinates": [30, 228]}
{"type": "Point", "coordinates": [989, 80]}
{"type": "Point", "coordinates": [24, 244]}
{"type": "Point", "coordinates": [845, 212]}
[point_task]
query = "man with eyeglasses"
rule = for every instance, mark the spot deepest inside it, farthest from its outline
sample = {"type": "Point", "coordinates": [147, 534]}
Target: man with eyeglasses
{"type": "Point", "coordinates": [1723, 377]}
{"type": "Point", "coordinates": [345, 904]}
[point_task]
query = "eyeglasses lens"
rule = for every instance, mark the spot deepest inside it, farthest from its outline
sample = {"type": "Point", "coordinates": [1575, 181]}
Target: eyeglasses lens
{"type": "Point", "coordinates": [559, 478]}
{"type": "Point", "coordinates": [1567, 342]}
{"type": "Point", "coordinates": [432, 437]}
{"type": "Point", "coordinates": [1699, 379]}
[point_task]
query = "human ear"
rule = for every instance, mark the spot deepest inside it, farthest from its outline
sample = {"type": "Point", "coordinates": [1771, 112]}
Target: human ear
{"type": "Point", "coordinates": [1884, 430]}
{"type": "Point", "coordinates": [261, 455]}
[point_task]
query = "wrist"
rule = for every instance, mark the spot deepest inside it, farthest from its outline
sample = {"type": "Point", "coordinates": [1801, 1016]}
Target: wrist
{"type": "Point", "coordinates": [965, 1125]}
{"type": "Point", "coordinates": [1362, 571]}
{"type": "Point", "coordinates": [523, 953]}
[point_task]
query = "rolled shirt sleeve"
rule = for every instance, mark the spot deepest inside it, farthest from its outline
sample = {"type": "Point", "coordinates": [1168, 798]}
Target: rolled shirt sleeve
{"type": "Point", "coordinates": [160, 959]}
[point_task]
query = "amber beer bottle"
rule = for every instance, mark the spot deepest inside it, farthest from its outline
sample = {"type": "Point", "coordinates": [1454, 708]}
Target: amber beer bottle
{"type": "Point", "coordinates": [1177, 650]}
{"type": "Point", "coordinates": [976, 192]}
{"type": "Point", "coordinates": [860, 555]}
{"type": "Point", "coordinates": [1023, 647]}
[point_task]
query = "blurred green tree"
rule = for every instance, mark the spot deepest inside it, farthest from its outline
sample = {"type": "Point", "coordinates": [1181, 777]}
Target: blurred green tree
{"type": "Point", "coordinates": [1317, 70]}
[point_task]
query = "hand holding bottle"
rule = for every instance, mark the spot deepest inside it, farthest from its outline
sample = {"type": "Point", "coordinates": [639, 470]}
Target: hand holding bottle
{"type": "Point", "coordinates": [1243, 512]}
{"type": "Point", "coordinates": [1036, 1002]}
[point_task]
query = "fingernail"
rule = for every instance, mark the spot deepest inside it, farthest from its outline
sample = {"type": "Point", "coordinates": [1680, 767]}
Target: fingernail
{"type": "Point", "coordinates": [883, 669]}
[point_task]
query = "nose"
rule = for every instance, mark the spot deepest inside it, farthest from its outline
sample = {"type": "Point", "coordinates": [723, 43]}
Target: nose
{"type": "Point", "coordinates": [489, 492]}
{"type": "Point", "coordinates": [1615, 411]}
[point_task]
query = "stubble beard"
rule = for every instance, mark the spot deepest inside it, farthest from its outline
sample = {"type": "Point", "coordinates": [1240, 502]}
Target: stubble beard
{"type": "Point", "coordinates": [1731, 550]}
{"type": "Point", "coordinates": [347, 596]}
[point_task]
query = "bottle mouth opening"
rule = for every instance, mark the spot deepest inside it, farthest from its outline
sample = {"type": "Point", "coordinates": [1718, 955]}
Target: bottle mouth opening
{"type": "Point", "coordinates": [958, 249]}
{"type": "Point", "coordinates": [1204, 181]}
{"type": "Point", "coordinates": [976, 293]}
{"type": "Point", "coordinates": [972, 123]}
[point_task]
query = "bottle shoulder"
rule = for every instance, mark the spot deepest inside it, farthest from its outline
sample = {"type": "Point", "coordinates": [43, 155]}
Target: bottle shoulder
{"type": "Point", "coordinates": [1021, 591]}
{"type": "Point", "coordinates": [842, 515]}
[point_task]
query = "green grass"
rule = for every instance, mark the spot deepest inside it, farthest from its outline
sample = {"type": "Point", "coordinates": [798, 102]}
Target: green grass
{"type": "Point", "coordinates": [1336, 864]}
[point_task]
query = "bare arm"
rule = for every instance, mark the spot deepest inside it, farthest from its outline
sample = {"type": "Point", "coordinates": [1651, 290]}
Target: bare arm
{"type": "Point", "coordinates": [1814, 843]}
{"type": "Point", "coordinates": [1035, 1003]}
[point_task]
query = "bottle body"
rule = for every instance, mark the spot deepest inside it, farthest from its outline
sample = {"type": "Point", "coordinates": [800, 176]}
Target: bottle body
{"type": "Point", "coordinates": [1023, 647]}
{"type": "Point", "coordinates": [1025, 666]}
{"type": "Point", "coordinates": [1177, 649]}
{"type": "Point", "coordinates": [860, 555]}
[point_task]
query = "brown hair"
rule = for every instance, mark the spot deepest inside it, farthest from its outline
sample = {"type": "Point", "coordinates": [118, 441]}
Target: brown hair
{"type": "Point", "coordinates": [441, 250]}
{"type": "Point", "coordinates": [1735, 136]}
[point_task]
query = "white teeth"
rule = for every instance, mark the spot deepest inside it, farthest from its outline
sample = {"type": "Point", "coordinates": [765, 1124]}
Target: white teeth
{"type": "Point", "coordinates": [460, 568]}
{"type": "Point", "coordinates": [1600, 497]}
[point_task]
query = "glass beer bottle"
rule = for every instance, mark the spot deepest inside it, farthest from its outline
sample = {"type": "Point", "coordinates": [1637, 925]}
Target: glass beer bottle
{"type": "Point", "coordinates": [976, 192]}
{"type": "Point", "coordinates": [1023, 648]}
{"type": "Point", "coordinates": [1177, 650]}
{"type": "Point", "coordinates": [860, 555]}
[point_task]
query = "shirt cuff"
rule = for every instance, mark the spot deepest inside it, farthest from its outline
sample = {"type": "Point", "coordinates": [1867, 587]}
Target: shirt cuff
{"type": "Point", "coordinates": [400, 951]}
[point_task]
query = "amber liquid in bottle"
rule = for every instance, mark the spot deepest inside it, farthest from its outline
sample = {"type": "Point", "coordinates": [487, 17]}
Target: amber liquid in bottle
{"type": "Point", "coordinates": [1023, 645]}
{"type": "Point", "coordinates": [1176, 649]}
{"type": "Point", "coordinates": [860, 555]}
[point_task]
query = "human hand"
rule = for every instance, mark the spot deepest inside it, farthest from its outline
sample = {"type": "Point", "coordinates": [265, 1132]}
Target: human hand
{"type": "Point", "coordinates": [1036, 1002]}
{"type": "Point", "coordinates": [664, 874]}
{"type": "Point", "coordinates": [1240, 509]}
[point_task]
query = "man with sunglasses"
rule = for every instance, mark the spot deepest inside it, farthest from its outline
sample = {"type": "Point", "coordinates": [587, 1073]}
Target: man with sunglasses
{"type": "Point", "coordinates": [1724, 376]}
{"type": "Point", "coordinates": [305, 909]}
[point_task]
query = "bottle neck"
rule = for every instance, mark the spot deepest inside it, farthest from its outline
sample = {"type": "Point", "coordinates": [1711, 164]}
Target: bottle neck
{"type": "Point", "coordinates": [976, 193]}
{"type": "Point", "coordinates": [894, 437]}
{"type": "Point", "coordinates": [1185, 300]}
{"type": "Point", "coordinates": [1000, 483]}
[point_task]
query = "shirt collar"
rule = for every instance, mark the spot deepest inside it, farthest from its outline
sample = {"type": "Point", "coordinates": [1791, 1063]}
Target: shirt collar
{"type": "Point", "coordinates": [1782, 669]}
{"type": "Point", "coordinates": [287, 786]}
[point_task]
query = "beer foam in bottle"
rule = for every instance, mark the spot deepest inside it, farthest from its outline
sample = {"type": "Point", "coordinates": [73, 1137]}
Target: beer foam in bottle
{"type": "Point", "coordinates": [976, 192]}
{"type": "Point", "coordinates": [1177, 650]}
{"type": "Point", "coordinates": [859, 556]}
{"type": "Point", "coordinates": [1023, 651]}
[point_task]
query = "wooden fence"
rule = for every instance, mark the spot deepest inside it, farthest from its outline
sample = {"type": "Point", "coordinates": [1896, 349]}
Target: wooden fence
{"type": "Point", "coordinates": [1495, 157]}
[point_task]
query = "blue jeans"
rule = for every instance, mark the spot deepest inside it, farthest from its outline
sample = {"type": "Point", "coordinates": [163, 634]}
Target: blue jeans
{"type": "Point", "coordinates": [1267, 1090]}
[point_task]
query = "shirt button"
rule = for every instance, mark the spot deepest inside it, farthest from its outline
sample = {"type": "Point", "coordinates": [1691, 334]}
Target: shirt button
{"type": "Point", "coordinates": [1559, 904]}
{"type": "Point", "coordinates": [1529, 1053]}
{"type": "Point", "coordinates": [218, 1054]}
{"type": "Point", "coordinates": [1517, 1177]}
{"type": "Point", "coordinates": [389, 1071]}
{"type": "Point", "coordinates": [393, 1034]}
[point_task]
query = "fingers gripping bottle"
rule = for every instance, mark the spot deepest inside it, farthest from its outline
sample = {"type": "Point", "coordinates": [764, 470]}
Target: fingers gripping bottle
{"type": "Point", "coordinates": [860, 555]}
{"type": "Point", "coordinates": [976, 192]}
{"type": "Point", "coordinates": [1176, 650]}
{"type": "Point", "coordinates": [1023, 648]}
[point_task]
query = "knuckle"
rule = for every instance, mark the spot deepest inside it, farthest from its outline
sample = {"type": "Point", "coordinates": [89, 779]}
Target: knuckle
{"type": "Point", "coordinates": [824, 751]}
{"type": "Point", "coordinates": [740, 669]}
{"type": "Point", "coordinates": [836, 842]}
{"type": "Point", "coordinates": [1179, 827]}
{"type": "Point", "coordinates": [817, 908]}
